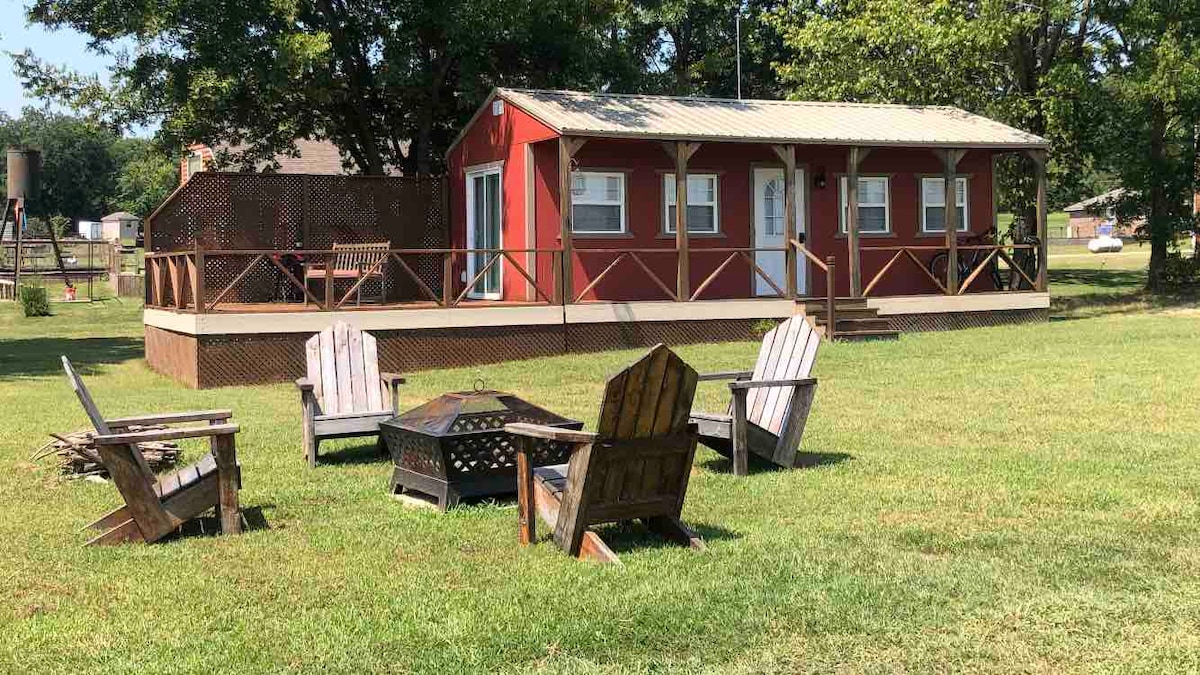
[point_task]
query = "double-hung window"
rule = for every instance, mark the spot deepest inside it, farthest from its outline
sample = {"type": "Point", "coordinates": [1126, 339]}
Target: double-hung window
{"type": "Point", "coordinates": [874, 214]}
{"type": "Point", "coordinates": [702, 203]}
{"type": "Point", "coordinates": [933, 204]}
{"type": "Point", "coordinates": [598, 203]}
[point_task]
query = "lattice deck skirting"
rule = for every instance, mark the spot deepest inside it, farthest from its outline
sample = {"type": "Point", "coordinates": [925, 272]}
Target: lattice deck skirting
{"type": "Point", "coordinates": [923, 323]}
{"type": "Point", "coordinates": [222, 360]}
{"type": "Point", "coordinates": [206, 361]}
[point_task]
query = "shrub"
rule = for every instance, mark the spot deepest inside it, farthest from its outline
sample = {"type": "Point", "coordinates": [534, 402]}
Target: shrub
{"type": "Point", "coordinates": [1181, 271]}
{"type": "Point", "coordinates": [35, 300]}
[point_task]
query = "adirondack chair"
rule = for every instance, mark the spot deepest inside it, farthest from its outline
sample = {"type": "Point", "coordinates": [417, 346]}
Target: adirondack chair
{"type": "Point", "coordinates": [155, 507]}
{"type": "Point", "coordinates": [351, 261]}
{"type": "Point", "coordinates": [636, 464]}
{"type": "Point", "coordinates": [770, 404]}
{"type": "Point", "coordinates": [344, 394]}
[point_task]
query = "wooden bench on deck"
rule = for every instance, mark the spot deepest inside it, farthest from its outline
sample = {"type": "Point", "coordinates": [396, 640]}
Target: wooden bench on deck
{"type": "Point", "coordinates": [351, 261]}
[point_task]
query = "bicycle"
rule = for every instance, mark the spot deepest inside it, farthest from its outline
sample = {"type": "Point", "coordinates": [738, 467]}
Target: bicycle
{"type": "Point", "coordinates": [970, 259]}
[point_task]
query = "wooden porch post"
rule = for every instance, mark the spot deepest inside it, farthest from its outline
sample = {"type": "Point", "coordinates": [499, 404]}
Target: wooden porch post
{"type": "Point", "coordinates": [566, 288]}
{"type": "Point", "coordinates": [950, 159]}
{"type": "Point", "coordinates": [1039, 159]}
{"type": "Point", "coordinates": [681, 152]}
{"type": "Point", "coordinates": [854, 263]}
{"type": "Point", "coordinates": [567, 147]}
{"type": "Point", "coordinates": [787, 154]}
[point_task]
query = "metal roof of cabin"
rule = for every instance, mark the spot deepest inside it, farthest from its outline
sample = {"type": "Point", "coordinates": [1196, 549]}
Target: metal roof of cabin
{"type": "Point", "coordinates": [715, 119]}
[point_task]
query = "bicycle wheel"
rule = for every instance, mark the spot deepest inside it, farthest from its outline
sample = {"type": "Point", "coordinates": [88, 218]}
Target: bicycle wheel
{"type": "Point", "coordinates": [937, 266]}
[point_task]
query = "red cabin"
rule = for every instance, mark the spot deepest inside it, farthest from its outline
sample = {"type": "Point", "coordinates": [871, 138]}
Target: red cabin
{"type": "Point", "coordinates": [629, 156]}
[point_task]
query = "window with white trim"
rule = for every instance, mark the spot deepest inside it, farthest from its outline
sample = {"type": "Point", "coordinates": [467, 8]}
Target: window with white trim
{"type": "Point", "coordinates": [195, 164]}
{"type": "Point", "coordinates": [598, 202]}
{"type": "Point", "coordinates": [874, 213]}
{"type": "Point", "coordinates": [933, 204]}
{"type": "Point", "coordinates": [702, 214]}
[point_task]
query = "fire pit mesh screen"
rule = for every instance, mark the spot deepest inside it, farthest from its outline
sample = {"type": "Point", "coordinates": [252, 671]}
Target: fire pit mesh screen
{"type": "Point", "coordinates": [462, 435]}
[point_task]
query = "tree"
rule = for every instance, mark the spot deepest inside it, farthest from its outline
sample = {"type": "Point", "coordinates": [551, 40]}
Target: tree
{"type": "Point", "coordinates": [1151, 58]}
{"type": "Point", "coordinates": [389, 82]}
{"type": "Point", "coordinates": [1025, 63]}
{"type": "Point", "coordinates": [77, 177]}
{"type": "Point", "coordinates": [145, 178]}
{"type": "Point", "coordinates": [691, 46]}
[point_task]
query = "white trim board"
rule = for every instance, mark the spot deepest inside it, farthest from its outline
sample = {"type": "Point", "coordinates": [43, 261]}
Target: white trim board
{"type": "Point", "coordinates": [971, 302]}
{"type": "Point", "coordinates": [666, 310]}
{"type": "Point", "coordinates": [244, 323]}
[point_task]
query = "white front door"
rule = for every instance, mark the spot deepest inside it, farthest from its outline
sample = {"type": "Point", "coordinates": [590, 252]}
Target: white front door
{"type": "Point", "coordinates": [484, 199]}
{"type": "Point", "coordinates": [770, 230]}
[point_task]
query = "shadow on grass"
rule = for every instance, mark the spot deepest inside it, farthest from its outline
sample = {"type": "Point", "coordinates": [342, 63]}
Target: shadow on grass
{"type": "Point", "coordinates": [632, 536]}
{"type": "Point", "coordinates": [756, 465]}
{"type": "Point", "coordinates": [40, 356]}
{"type": "Point", "coordinates": [362, 453]}
{"type": "Point", "coordinates": [1100, 279]}
{"type": "Point", "coordinates": [1111, 292]}
{"type": "Point", "coordinates": [253, 520]}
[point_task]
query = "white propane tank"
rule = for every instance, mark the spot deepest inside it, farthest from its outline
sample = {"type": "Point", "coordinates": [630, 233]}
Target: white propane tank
{"type": "Point", "coordinates": [1105, 244]}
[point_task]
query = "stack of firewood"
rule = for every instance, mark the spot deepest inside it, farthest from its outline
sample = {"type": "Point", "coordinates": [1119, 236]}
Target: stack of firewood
{"type": "Point", "coordinates": [78, 456]}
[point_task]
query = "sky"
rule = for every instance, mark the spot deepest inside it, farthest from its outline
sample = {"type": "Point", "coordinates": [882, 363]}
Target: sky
{"type": "Point", "coordinates": [64, 47]}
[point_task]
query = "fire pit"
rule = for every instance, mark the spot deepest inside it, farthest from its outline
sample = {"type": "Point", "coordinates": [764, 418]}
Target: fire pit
{"type": "Point", "coordinates": [455, 446]}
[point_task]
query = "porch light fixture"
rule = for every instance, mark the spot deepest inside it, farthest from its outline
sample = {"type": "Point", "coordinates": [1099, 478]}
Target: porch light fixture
{"type": "Point", "coordinates": [819, 179]}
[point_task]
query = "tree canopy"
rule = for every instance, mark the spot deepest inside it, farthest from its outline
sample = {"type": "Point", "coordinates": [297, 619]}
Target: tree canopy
{"type": "Point", "coordinates": [1111, 83]}
{"type": "Point", "coordinates": [88, 170]}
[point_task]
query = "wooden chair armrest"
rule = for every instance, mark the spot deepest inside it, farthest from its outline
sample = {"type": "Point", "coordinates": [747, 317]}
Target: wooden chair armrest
{"type": "Point", "coordinates": [549, 433]}
{"type": "Point", "coordinates": [392, 379]}
{"type": "Point", "coordinates": [170, 418]}
{"type": "Point", "coordinates": [726, 375]}
{"type": "Point", "coordinates": [166, 434]}
{"type": "Point", "coordinates": [304, 384]}
{"type": "Point", "coordinates": [801, 382]}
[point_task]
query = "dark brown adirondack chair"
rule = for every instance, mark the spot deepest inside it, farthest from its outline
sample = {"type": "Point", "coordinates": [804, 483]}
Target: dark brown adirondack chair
{"type": "Point", "coordinates": [344, 394]}
{"type": "Point", "coordinates": [636, 465]}
{"type": "Point", "coordinates": [155, 507]}
{"type": "Point", "coordinates": [770, 404]}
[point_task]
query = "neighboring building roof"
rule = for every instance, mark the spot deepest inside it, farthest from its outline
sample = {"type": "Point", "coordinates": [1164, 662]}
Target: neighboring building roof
{"type": "Point", "coordinates": [119, 215]}
{"type": "Point", "coordinates": [1099, 201]}
{"type": "Point", "coordinates": [688, 118]}
{"type": "Point", "coordinates": [316, 157]}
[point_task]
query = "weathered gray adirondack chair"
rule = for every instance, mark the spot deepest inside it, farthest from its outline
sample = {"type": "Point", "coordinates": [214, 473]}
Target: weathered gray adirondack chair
{"type": "Point", "coordinates": [344, 393]}
{"type": "Point", "coordinates": [636, 465]}
{"type": "Point", "coordinates": [155, 507]}
{"type": "Point", "coordinates": [770, 404]}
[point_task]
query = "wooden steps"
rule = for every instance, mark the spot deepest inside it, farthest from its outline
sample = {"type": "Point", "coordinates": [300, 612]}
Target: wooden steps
{"type": "Point", "coordinates": [855, 320]}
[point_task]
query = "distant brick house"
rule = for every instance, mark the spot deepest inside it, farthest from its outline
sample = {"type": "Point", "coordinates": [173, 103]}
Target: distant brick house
{"type": "Point", "coordinates": [316, 157]}
{"type": "Point", "coordinates": [1085, 218]}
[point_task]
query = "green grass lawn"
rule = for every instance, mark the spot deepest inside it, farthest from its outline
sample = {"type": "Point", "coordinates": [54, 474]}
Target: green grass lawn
{"type": "Point", "coordinates": [1010, 499]}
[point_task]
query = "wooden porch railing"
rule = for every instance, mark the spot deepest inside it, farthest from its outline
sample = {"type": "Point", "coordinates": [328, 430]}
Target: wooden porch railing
{"type": "Point", "coordinates": [180, 280]}
{"type": "Point", "coordinates": [992, 253]}
{"type": "Point", "coordinates": [637, 256]}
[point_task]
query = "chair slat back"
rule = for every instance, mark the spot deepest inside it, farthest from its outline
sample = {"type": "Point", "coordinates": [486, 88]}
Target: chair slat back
{"type": "Point", "coordinates": [651, 398]}
{"type": "Point", "coordinates": [641, 461]}
{"type": "Point", "coordinates": [788, 352]}
{"type": "Point", "coordinates": [101, 426]}
{"type": "Point", "coordinates": [343, 365]}
{"type": "Point", "coordinates": [349, 256]}
{"type": "Point", "coordinates": [85, 398]}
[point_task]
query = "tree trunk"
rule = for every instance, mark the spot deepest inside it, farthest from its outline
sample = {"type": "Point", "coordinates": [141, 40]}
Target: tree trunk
{"type": "Point", "coordinates": [1158, 220]}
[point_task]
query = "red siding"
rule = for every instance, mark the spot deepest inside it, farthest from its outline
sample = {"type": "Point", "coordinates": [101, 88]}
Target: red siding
{"type": "Point", "coordinates": [504, 138]}
{"type": "Point", "coordinates": [497, 139]}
